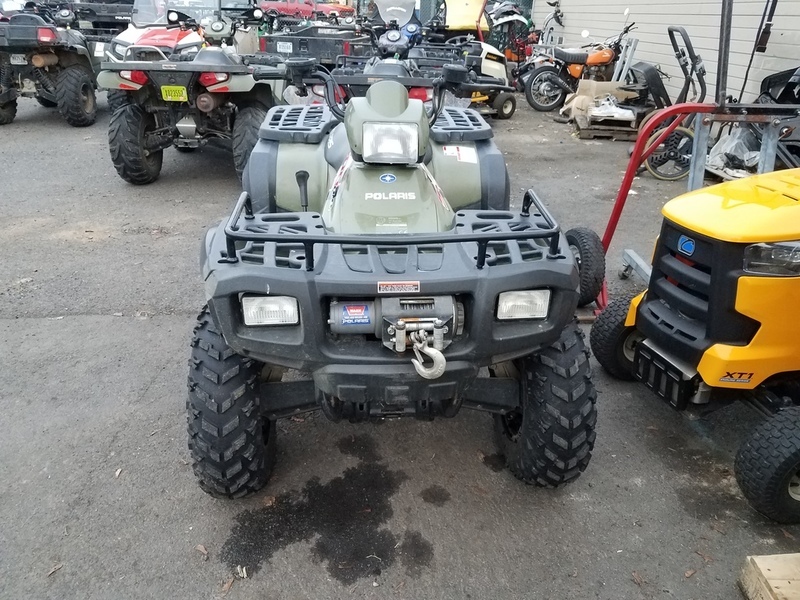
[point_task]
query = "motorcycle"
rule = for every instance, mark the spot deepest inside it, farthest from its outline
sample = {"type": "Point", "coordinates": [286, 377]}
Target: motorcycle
{"type": "Point", "coordinates": [185, 99]}
{"type": "Point", "coordinates": [352, 256]}
{"type": "Point", "coordinates": [548, 78]}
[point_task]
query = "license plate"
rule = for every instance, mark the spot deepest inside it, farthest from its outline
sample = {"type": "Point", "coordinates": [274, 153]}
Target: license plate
{"type": "Point", "coordinates": [174, 93]}
{"type": "Point", "coordinates": [18, 59]}
{"type": "Point", "coordinates": [285, 47]}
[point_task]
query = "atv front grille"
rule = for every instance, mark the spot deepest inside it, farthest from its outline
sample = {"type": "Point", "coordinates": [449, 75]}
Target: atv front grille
{"type": "Point", "coordinates": [690, 303]}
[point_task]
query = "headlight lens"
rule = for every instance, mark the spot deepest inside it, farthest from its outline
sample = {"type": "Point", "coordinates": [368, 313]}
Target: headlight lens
{"type": "Point", "coordinates": [390, 143]}
{"type": "Point", "coordinates": [270, 310]}
{"type": "Point", "coordinates": [190, 50]}
{"type": "Point", "coordinates": [530, 304]}
{"type": "Point", "coordinates": [778, 258]}
{"type": "Point", "coordinates": [217, 26]}
{"type": "Point", "coordinates": [118, 49]}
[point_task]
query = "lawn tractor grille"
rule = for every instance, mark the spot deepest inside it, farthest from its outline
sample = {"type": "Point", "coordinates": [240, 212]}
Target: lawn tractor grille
{"type": "Point", "coordinates": [691, 299]}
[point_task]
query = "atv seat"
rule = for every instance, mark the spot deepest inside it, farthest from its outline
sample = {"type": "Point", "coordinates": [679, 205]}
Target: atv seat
{"type": "Point", "coordinates": [571, 58]}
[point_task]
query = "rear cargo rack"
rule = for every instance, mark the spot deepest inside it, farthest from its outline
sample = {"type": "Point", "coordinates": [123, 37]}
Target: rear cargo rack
{"type": "Point", "coordinates": [306, 228]}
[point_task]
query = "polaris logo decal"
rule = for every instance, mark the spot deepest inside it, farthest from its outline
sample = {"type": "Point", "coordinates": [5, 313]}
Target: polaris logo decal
{"type": "Point", "coordinates": [355, 314]}
{"type": "Point", "coordinates": [398, 287]}
{"type": "Point", "coordinates": [390, 196]}
{"type": "Point", "coordinates": [686, 245]}
{"type": "Point", "coordinates": [737, 377]}
{"type": "Point", "coordinates": [388, 178]}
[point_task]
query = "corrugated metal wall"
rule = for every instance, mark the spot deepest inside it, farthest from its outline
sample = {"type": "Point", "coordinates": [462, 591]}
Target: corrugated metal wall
{"type": "Point", "coordinates": [701, 19]}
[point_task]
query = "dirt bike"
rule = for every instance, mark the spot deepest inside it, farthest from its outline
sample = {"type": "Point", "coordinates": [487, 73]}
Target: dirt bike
{"type": "Point", "coordinates": [186, 99]}
{"type": "Point", "coordinates": [353, 256]}
{"type": "Point", "coordinates": [552, 76]}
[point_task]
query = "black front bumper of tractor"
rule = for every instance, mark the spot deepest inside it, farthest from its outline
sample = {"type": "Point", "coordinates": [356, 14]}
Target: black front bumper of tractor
{"type": "Point", "coordinates": [291, 254]}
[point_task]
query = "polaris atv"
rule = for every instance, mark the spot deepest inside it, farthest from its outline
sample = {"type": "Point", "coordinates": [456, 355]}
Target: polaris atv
{"type": "Point", "coordinates": [354, 255]}
{"type": "Point", "coordinates": [185, 99]}
{"type": "Point", "coordinates": [52, 52]}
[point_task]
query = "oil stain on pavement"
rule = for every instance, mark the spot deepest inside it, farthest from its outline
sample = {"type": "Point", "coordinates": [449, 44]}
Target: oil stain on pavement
{"type": "Point", "coordinates": [345, 517]}
{"type": "Point", "coordinates": [435, 495]}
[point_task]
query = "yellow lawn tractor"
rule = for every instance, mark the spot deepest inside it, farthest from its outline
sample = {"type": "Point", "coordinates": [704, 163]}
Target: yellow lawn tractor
{"type": "Point", "coordinates": [718, 323]}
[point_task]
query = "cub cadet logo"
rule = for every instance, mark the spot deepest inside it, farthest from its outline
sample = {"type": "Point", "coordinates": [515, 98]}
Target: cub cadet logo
{"type": "Point", "coordinates": [390, 196]}
{"type": "Point", "coordinates": [686, 245]}
{"type": "Point", "coordinates": [736, 377]}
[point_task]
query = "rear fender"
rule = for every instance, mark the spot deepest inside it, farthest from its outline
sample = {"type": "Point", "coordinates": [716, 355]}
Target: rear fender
{"type": "Point", "coordinates": [110, 80]}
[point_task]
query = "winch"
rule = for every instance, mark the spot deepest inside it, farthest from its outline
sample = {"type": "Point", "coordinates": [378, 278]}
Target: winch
{"type": "Point", "coordinates": [425, 325]}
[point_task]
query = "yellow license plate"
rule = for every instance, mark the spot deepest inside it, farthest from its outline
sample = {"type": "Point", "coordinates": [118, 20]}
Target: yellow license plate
{"type": "Point", "coordinates": [174, 93]}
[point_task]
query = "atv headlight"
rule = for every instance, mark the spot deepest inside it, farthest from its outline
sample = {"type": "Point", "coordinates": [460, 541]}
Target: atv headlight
{"type": "Point", "coordinates": [118, 49]}
{"type": "Point", "coordinates": [270, 310]}
{"type": "Point", "coordinates": [530, 304]}
{"type": "Point", "coordinates": [778, 258]}
{"type": "Point", "coordinates": [390, 143]}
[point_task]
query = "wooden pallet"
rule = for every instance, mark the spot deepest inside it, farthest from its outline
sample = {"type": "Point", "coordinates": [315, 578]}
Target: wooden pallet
{"type": "Point", "coordinates": [774, 577]}
{"type": "Point", "coordinates": [587, 131]}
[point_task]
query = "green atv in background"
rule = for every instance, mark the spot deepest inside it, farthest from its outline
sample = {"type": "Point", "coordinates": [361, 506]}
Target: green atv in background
{"type": "Point", "coordinates": [52, 52]}
{"type": "Point", "coordinates": [353, 255]}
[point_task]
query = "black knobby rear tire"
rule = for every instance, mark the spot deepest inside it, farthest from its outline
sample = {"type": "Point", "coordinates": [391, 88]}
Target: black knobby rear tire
{"type": "Point", "coordinates": [75, 94]}
{"type": "Point", "coordinates": [767, 467]}
{"type": "Point", "coordinates": [245, 134]}
{"type": "Point", "coordinates": [7, 112]}
{"type": "Point", "coordinates": [117, 99]}
{"type": "Point", "coordinates": [532, 95]}
{"type": "Point", "coordinates": [612, 342]}
{"type": "Point", "coordinates": [233, 448]}
{"type": "Point", "coordinates": [587, 248]}
{"type": "Point", "coordinates": [45, 102]}
{"type": "Point", "coordinates": [505, 104]}
{"type": "Point", "coordinates": [126, 136]}
{"type": "Point", "coordinates": [549, 440]}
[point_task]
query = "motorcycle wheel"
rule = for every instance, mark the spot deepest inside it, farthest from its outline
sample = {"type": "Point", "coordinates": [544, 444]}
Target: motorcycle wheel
{"type": "Point", "coordinates": [672, 159]}
{"type": "Point", "coordinates": [542, 94]}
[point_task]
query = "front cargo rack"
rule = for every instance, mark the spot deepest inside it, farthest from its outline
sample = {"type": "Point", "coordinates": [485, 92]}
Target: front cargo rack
{"type": "Point", "coordinates": [306, 228]}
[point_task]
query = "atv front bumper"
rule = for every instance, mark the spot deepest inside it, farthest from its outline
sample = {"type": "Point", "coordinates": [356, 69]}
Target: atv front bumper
{"type": "Point", "coordinates": [488, 253]}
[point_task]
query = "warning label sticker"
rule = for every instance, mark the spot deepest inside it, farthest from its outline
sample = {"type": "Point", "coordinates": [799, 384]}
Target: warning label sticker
{"type": "Point", "coordinates": [355, 314]}
{"type": "Point", "coordinates": [462, 153]}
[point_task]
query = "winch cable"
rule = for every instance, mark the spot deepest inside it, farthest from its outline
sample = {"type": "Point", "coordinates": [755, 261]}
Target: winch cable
{"type": "Point", "coordinates": [762, 38]}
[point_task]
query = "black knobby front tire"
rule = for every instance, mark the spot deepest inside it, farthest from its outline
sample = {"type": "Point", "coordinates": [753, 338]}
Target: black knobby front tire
{"type": "Point", "coordinates": [549, 440]}
{"type": "Point", "coordinates": [505, 104]}
{"type": "Point", "coordinates": [245, 134]}
{"type": "Point", "coordinates": [45, 102]}
{"type": "Point", "coordinates": [126, 138]}
{"type": "Point", "coordinates": [612, 343]}
{"type": "Point", "coordinates": [116, 99]}
{"type": "Point", "coordinates": [7, 112]}
{"type": "Point", "coordinates": [587, 248]}
{"type": "Point", "coordinates": [532, 85]}
{"type": "Point", "coordinates": [233, 448]}
{"type": "Point", "coordinates": [767, 467]}
{"type": "Point", "coordinates": [75, 94]}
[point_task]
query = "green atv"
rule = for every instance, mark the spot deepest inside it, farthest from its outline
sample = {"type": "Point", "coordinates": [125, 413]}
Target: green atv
{"type": "Point", "coordinates": [354, 255]}
{"type": "Point", "coordinates": [52, 52]}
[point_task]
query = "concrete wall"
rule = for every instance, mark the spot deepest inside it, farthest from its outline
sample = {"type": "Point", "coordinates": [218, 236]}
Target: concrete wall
{"type": "Point", "coordinates": [701, 19]}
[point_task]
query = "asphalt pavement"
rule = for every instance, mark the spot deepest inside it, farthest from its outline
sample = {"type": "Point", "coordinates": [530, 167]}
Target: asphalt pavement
{"type": "Point", "coordinates": [99, 289]}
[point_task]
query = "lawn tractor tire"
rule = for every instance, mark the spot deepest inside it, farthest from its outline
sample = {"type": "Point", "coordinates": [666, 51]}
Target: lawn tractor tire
{"type": "Point", "coordinates": [548, 440]}
{"type": "Point", "coordinates": [232, 446]}
{"type": "Point", "coordinates": [75, 94]}
{"type": "Point", "coordinates": [126, 136]}
{"type": "Point", "coordinates": [245, 134]}
{"type": "Point", "coordinates": [505, 104]}
{"type": "Point", "coordinates": [612, 343]}
{"type": "Point", "coordinates": [588, 251]}
{"type": "Point", "coordinates": [532, 84]}
{"type": "Point", "coordinates": [45, 102]}
{"type": "Point", "coordinates": [767, 467]}
{"type": "Point", "coordinates": [7, 112]}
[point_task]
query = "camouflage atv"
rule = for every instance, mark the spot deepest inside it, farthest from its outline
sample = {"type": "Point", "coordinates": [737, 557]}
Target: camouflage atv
{"type": "Point", "coordinates": [52, 52]}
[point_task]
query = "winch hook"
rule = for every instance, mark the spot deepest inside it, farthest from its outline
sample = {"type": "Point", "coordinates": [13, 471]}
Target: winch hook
{"type": "Point", "coordinates": [439, 361]}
